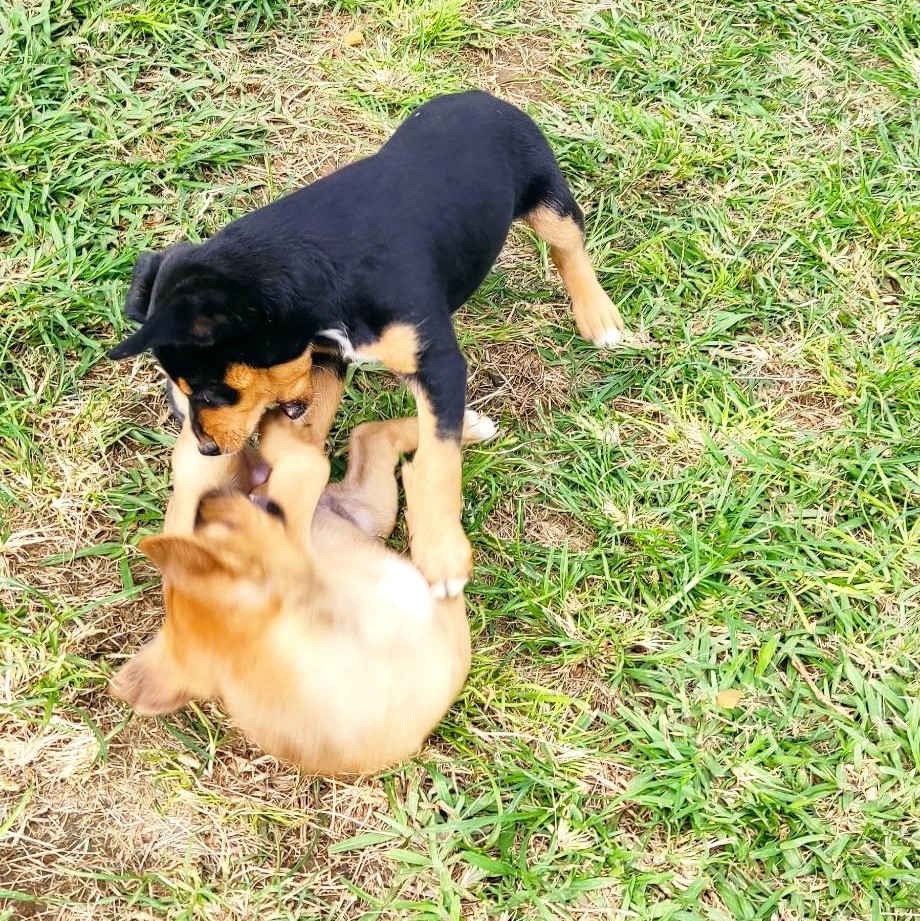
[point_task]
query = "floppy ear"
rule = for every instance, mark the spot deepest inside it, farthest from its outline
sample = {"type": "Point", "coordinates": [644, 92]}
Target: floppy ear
{"type": "Point", "coordinates": [160, 329]}
{"type": "Point", "coordinates": [178, 557]}
{"type": "Point", "coordinates": [165, 328]}
{"type": "Point", "coordinates": [150, 682]}
{"type": "Point", "coordinates": [137, 303]}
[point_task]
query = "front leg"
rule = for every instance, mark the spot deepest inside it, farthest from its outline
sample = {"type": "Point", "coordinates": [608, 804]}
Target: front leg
{"type": "Point", "coordinates": [299, 472]}
{"type": "Point", "coordinates": [433, 481]}
{"type": "Point", "coordinates": [194, 474]}
{"type": "Point", "coordinates": [328, 380]}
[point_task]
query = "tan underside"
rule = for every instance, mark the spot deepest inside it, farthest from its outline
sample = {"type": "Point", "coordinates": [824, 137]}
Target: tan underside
{"type": "Point", "coordinates": [596, 317]}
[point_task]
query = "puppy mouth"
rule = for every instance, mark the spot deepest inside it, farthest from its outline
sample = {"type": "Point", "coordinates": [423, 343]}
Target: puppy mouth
{"type": "Point", "coordinates": [293, 409]}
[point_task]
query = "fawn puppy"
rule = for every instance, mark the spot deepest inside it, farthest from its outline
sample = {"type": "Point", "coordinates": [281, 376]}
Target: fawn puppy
{"type": "Point", "coordinates": [325, 646]}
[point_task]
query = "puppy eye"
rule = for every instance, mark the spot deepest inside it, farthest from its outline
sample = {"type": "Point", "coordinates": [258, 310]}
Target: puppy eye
{"type": "Point", "coordinates": [212, 396]}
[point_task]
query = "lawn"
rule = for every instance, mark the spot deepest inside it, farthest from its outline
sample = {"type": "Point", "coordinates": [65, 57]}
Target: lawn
{"type": "Point", "coordinates": [695, 605]}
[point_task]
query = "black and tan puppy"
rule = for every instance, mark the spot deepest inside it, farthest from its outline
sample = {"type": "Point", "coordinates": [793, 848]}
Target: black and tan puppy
{"type": "Point", "coordinates": [369, 262]}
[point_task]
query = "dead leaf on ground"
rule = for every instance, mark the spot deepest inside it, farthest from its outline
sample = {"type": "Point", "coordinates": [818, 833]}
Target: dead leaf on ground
{"type": "Point", "coordinates": [728, 700]}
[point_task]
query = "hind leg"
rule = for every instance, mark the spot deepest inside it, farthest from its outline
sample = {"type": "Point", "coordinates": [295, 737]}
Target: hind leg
{"type": "Point", "coordinates": [368, 491]}
{"type": "Point", "coordinates": [597, 318]}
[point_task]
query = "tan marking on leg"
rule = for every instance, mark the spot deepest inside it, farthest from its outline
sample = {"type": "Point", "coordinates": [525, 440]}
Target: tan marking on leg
{"type": "Point", "coordinates": [434, 501]}
{"type": "Point", "coordinates": [183, 385]}
{"type": "Point", "coordinates": [397, 348]}
{"type": "Point", "coordinates": [597, 318]}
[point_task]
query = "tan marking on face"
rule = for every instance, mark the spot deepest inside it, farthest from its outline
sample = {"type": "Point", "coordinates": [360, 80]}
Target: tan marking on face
{"type": "Point", "coordinates": [239, 377]}
{"type": "Point", "coordinates": [202, 327]}
{"type": "Point", "coordinates": [183, 385]}
{"type": "Point", "coordinates": [231, 426]}
{"type": "Point", "coordinates": [397, 348]}
{"type": "Point", "coordinates": [433, 484]}
{"type": "Point", "coordinates": [596, 317]}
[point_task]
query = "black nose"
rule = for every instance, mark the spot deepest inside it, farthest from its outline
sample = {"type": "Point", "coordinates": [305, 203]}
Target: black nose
{"type": "Point", "coordinates": [208, 447]}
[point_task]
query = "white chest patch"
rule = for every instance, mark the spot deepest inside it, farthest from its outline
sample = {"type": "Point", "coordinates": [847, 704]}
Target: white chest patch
{"type": "Point", "coordinates": [338, 335]}
{"type": "Point", "coordinates": [340, 338]}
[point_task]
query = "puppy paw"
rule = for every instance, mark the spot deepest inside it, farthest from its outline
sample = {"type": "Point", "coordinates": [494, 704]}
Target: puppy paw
{"type": "Point", "coordinates": [599, 321]}
{"type": "Point", "coordinates": [279, 436]}
{"type": "Point", "coordinates": [445, 559]}
{"type": "Point", "coordinates": [478, 428]}
{"type": "Point", "coordinates": [449, 589]}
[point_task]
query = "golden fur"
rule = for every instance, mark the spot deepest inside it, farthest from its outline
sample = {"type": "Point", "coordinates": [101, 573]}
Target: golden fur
{"type": "Point", "coordinates": [326, 647]}
{"type": "Point", "coordinates": [230, 426]}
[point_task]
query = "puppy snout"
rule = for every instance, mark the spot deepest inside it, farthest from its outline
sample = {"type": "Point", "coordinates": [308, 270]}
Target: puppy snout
{"type": "Point", "coordinates": [208, 447]}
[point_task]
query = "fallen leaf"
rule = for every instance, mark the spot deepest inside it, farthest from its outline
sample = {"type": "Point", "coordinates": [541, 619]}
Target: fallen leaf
{"type": "Point", "coordinates": [353, 38]}
{"type": "Point", "coordinates": [728, 700]}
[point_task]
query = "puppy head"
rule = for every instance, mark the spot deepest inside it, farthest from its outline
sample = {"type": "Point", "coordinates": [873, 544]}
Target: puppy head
{"type": "Point", "coordinates": [212, 324]}
{"type": "Point", "coordinates": [225, 406]}
{"type": "Point", "coordinates": [223, 585]}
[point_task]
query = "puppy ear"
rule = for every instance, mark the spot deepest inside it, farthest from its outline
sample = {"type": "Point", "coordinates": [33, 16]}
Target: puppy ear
{"type": "Point", "coordinates": [150, 682]}
{"type": "Point", "coordinates": [137, 342]}
{"type": "Point", "coordinates": [137, 303]}
{"type": "Point", "coordinates": [177, 557]}
{"type": "Point", "coordinates": [165, 328]}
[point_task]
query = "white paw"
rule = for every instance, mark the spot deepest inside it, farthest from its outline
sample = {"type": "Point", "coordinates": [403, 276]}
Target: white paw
{"type": "Point", "coordinates": [449, 589]}
{"type": "Point", "coordinates": [477, 427]}
{"type": "Point", "coordinates": [609, 337]}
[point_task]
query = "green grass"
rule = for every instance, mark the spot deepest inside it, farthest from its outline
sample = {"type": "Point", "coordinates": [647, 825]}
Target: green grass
{"type": "Point", "coordinates": [734, 507]}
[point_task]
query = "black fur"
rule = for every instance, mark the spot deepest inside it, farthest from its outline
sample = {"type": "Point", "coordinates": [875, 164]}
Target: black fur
{"type": "Point", "coordinates": [142, 279]}
{"type": "Point", "coordinates": [406, 235]}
